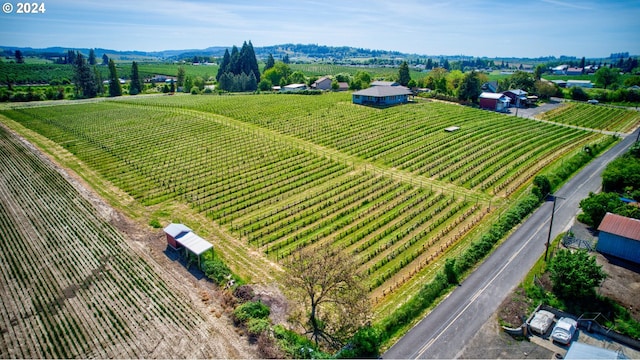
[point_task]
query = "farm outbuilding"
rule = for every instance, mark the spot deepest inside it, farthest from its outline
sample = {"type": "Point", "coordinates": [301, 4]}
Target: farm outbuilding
{"type": "Point", "coordinates": [175, 231]}
{"type": "Point", "coordinates": [180, 236]}
{"type": "Point", "coordinates": [619, 236]}
{"type": "Point", "coordinates": [382, 95]}
{"type": "Point", "coordinates": [492, 101]}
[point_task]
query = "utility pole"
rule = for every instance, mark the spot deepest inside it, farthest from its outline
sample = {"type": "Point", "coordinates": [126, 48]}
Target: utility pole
{"type": "Point", "coordinates": [546, 251]}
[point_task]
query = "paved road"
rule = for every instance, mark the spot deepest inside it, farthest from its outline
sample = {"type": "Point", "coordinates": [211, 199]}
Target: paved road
{"type": "Point", "coordinates": [443, 333]}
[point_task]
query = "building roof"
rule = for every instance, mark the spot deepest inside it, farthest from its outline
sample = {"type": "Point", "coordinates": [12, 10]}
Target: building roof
{"type": "Point", "coordinates": [322, 79]}
{"type": "Point", "coordinates": [579, 350]}
{"type": "Point", "coordinates": [384, 83]}
{"type": "Point", "coordinates": [517, 92]}
{"type": "Point", "coordinates": [175, 230]}
{"type": "Point", "coordinates": [495, 96]}
{"type": "Point", "coordinates": [383, 91]}
{"type": "Point", "coordinates": [194, 243]}
{"type": "Point", "coordinates": [621, 226]}
{"type": "Point", "coordinates": [295, 86]}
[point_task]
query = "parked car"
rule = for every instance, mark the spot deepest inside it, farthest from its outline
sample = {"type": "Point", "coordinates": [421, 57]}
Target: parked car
{"type": "Point", "coordinates": [593, 102]}
{"type": "Point", "coordinates": [564, 330]}
{"type": "Point", "coordinates": [541, 322]}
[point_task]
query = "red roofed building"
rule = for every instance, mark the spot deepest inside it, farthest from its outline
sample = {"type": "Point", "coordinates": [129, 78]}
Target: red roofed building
{"type": "Point", "coordinates": [620, 237]}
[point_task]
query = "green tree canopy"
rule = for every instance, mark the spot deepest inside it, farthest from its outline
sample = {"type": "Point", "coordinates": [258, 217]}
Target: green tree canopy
{"type": "Point", "coordinates": [270, 63]}
{"type": "Point", "coordinates": [105, 60]}
{"type": "Point", "coordinates": [622, 174]}
{"type": "Point", "coordinates": [84, 78]}
{"type": "Point", "coordinates": [181, 75]}
{"type": "Point", "coordinates": [403, 74]}
{"type": "Point", "coordinates": [92, 57]}
{"type": "Point", "coordinates": [136, 85]}
{"type": "Point", "coordinates": [470, 87]}
{"type": "Point", "coordinates": [575, 275]}
{"type": "Point", "coordinates": [596, 206]}
{"type": "Point", "coordinates": [278, 72]}
{"type": "Point", "coordinates": [114, 82]}
{"type": "Point", "coordinates": [606, 76]}
{"type": "Point", "coordinates": [522, 80]}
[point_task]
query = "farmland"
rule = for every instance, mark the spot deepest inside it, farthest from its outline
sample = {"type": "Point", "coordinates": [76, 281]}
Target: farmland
{"type": "Point", "coordinates": [72, 287]}
{"type": "Point", "coordinates": [281, 172]}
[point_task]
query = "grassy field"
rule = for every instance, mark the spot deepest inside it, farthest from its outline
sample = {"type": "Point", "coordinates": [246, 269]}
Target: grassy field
{"type": "Point", "coordinates": [276, 173]}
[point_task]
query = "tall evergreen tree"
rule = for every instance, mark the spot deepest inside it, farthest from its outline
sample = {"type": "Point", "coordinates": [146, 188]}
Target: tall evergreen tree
{"type": "Point", "coordinates": [84, 78]}
{"type": "Point", "coordinates": [234, 65]}
{"type": "Point", "coordinates": [98, 76]}
{"type": "Point", "coordinates": [181, 75]}
{"type": "Point", "coordinates": [71, 57]}
{"type": "Point", "coordinates": [105, 60]}
{"type": "Point", "coordinates": [403, 74]}
{"type": "Point", "coordinates": [136, 83]}
{"type": "Point", "coordinates": [114, 81]}
{"type": "Point", "coordinates": [270, 62]}
{"type": "Point", "coordinates": [92, 57]}
{"type": "Point", "coordinates": [19, 57]}
{"type": "Point", "coordinates": [224, 65]}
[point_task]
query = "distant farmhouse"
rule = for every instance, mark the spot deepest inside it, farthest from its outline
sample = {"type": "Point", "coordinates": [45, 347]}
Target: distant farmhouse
{"type": "Point", "coordinates": [324, 83]}
{"type": "Point", "coordinates": [382, 95]}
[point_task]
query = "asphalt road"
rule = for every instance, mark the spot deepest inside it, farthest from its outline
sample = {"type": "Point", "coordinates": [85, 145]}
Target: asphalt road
{"type": "Point", "coordinates": [443, 333]}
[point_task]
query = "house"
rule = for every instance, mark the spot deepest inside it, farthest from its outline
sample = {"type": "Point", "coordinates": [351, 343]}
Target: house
{"type": "Point", "coordinates": [384, 83]}
{"type": "Point", "coordinates": [517, 97]}
{"type": "Point", "coordinates": [493, 101]}
{"type": "Point", "coordinates": [491, 86]}
{"type": "Point", "coordinates": [382, 95]}
{"type": "Point", "coordinates": [293, 87]}
{"type": "Point", "coordinates": [179, 236]}
{"type": "Point", "coordinates": [560, 70]}
{"type": "Point", "coordinates": [574, 71]}
{"type": "Point", "coordinates": [619, 236]}
{"type": "Point", "coordinates": [580, 83]}
{"type": "Point", "coordinates": [343, 86]}
{"type": "Point", "coordinates": [324, 83]}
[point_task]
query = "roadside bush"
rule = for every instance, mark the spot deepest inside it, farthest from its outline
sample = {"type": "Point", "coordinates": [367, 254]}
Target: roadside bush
{"type": "Point", "coordinates": [365, 343]}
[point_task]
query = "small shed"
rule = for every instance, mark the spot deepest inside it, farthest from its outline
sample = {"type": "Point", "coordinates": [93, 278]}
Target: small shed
{"type": "Point", "coordinates": [619, 236]}
{"type": "Point", "coordinates": [180, 236]}
{"type": "Point", "coordinates": [496, 102]}
{"type": "Point", "coordinates": [293, 87]}
{"type": "Point", "coordinates": [175, 231]}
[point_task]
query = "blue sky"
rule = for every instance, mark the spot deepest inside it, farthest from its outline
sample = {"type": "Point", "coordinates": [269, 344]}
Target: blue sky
{"type": "Point", "coordinates": [491, 28]}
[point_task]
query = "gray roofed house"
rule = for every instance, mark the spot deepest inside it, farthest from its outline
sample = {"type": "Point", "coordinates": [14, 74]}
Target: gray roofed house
{"type": "Point", "coordinates": [382, 95]}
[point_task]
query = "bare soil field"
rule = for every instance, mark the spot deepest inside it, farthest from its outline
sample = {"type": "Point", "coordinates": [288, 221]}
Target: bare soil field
{"type": "Point", "coordinates": [74, 286]}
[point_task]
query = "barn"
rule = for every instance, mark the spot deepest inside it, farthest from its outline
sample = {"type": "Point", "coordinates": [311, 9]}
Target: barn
{"type": "Point", "coordinates": [492, 101]}
{"type": "Point", "coordinates": [619, 236]}
{"type": "Point", "coordinates": [382, 95]}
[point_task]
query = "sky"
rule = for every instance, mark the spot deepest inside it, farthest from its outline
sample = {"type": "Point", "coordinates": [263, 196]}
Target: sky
{"type": "Point", "coordinates": [491, 28]}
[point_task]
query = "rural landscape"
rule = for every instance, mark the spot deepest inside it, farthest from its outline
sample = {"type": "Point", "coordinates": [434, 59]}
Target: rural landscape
{"type": "Point", "coordinates": [345, 192]}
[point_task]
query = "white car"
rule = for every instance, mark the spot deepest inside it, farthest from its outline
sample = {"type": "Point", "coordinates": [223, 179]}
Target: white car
{"type": "Point", "coordinates": [541, 322]}
{"type": "Point", "coordinates": [564, 330]}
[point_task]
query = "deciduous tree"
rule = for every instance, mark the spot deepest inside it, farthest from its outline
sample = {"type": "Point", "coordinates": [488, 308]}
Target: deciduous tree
{"type": "Point", "coordinates": [606, 76]}
{"type": "Point", "coordinates": [575, 275]}
{"type": "Point", "coordinates": [328, 286]}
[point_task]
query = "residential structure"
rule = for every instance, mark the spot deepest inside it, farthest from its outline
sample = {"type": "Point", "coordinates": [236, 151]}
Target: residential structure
{"type": "Point", "coordinates": [382, 95]}
{"type": "Point", "coordinates": [495, 102]}
{"type": "Point", "coordinates": [324, 83]}
{"type": "Point", "coordinates": [574, 71]}
{"type": "Point", "coordinates": [619, 236]}
{"type": "Point", "coordinates": [517, 97]}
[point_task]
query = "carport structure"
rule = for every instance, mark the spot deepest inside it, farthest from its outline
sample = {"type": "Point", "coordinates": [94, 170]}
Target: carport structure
{"type": "Point", "coordinates": [180, 236]}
